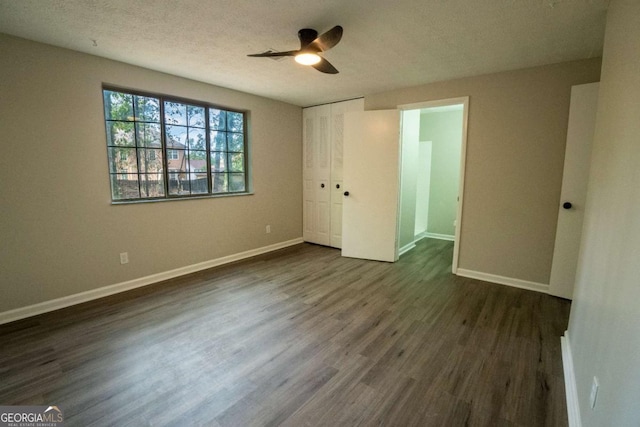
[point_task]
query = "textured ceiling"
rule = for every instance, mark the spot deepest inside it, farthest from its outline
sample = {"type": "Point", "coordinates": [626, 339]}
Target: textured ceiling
{"type": "Point", "coordinates": [386, 44]}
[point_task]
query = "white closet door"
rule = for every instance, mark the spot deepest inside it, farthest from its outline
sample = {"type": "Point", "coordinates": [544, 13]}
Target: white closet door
{"type": "Point", "coordinates": [316, 171]}
{"type": "Point", "coordinates": [309, 130]}
{"type": "Point", "coordinates": [322, 174]}
{"type": "Point", "coordinates": [338, 111]}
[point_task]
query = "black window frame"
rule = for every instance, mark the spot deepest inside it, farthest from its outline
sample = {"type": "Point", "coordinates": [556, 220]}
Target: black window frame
{"type": "Point", "coordinates": [166, 173]}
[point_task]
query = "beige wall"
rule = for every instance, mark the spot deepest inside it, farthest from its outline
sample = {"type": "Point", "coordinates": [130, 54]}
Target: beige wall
{"type": "Point", "coordinates": [515, 150]}
{"type": "Point", "coordinates": [59, 233]}
{"type": "Point", "coordinates": [604, 327]}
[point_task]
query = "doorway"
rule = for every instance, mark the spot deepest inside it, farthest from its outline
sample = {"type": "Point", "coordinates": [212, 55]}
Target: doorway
{"type": "Point", "coordinates": [433, 146]}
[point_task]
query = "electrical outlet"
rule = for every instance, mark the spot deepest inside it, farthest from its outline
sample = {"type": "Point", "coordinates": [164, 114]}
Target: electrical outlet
{"type": "Point", "coordinates": [594, 392]}
{"type": "Point", "coordinates": [124, 257]}
{"type": "Point", "coordinates": [268, 229]}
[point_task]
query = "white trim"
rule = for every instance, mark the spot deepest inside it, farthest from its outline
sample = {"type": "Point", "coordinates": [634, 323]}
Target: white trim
{"type": "Point", "coordinates": [406, 248]}
{"type": "Point", "coordinates": [463, 170]}
{"type": "Point", "coordinates": [58, 303]}
{"type": "Point", "coordinates": [571, 390]}
{"type": "Point", "coordinates": [501, 280]}
{"type": "Point", "coordinates": [432, 104]}
{"type": "Point", "coordinates": [437, 236]}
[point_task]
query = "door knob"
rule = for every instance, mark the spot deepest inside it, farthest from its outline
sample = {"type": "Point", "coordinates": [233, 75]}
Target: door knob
{"type": "Point", "coordinates": [567, 205]}
{"type": "Point", "coordinates": [337, 185]}
{"type": "Point", "coordinates": [346, 194]}
{"type": "Point", "coordinates": [321, 185]}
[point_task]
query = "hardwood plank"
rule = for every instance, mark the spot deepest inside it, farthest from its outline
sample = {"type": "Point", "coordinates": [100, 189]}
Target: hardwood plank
{"type": "Point", "coordinates": [299, 337]}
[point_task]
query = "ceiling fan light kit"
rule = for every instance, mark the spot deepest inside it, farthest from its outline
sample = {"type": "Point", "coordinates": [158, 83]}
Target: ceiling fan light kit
{"type": "Point", "coordinates": [311, 45]}
{"type": "Point", "coordinates": [307, 58]}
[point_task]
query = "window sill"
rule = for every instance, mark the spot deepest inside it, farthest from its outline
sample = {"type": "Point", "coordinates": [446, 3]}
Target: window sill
{"type": "Point", "coordinates": [175, 199]}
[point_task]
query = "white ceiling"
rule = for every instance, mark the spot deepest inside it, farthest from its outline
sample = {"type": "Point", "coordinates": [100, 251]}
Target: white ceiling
{"type": "Point", "coordinates": [386, 44]}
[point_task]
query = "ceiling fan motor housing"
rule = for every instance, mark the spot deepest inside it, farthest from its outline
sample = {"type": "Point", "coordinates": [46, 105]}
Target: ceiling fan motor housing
{"type": "Point", "coordinates": [306, 36]}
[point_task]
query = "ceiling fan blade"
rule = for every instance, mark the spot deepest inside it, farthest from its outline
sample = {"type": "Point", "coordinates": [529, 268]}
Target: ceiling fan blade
{"type": "Point", "coordinates": [325, 67]}
{"type": "Point", "coordinates": [327, 40]}
{"type": "Point", "coordinates": [271, 54]}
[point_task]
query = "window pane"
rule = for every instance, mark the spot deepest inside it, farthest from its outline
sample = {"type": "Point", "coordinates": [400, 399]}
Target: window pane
{"type": "Point", "coordinates": [122, 160]}
{"type": "Point", "coordinates": [218, 141]}
{"type": "Point", "coordinates": [150, 161]}
{"type": "Point", "coordinates": [174, 175]}
{"type": "Point", "coordinates": [176, 136]}
{"type": "Point", "coordinates": [147, 109]}
{"type": "Point", "coordinates": [236, 142]}
{"type": "Point", "coordinates": [154, 155]}
{"type": "Point", "coordinates": [118, 105]}
{"type": "Point", "coordinates": [148, 135]}
{"type": "Point", "coordinates": [175, 113]}
{"type": "Point", "coordinates": [179, 183]}
{"type": "Point", "coordinates": [124, 186]}
{"type": "Point", "coordinates": [151, 185]}
{"type": "Point", "coordinates": [196, 116]}
{"type": "Point", "coordinates": [235, 121]}
{"type": "Point", "coordinates": [199, 183]}
{"type": "Point", "coordinates": [217, 119]}
{"type": "Point", "coordinates": [197, 161]}
{"type": "Point", "coordinates": [197, 139]}
{"type": "Point", "coordinates": [218, 161]}
{"type": "Point", "coordinates": [219, 182]}
{"type": "Point", "coordinates": [236, 182]}
{"type": "Point", "coordinates": [120, 133]}
{"type": "Point", "coordinates": [236, 162]}
{"type": "Point", "coordinates": [176, 160]}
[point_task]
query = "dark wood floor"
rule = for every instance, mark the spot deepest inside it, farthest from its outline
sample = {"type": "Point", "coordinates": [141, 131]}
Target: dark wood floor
{"type": "Point", "coordinates": [301, 337]}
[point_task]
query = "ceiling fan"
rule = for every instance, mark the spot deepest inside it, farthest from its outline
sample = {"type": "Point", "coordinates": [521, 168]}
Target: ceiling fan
{"type": "Point", "coordinates": [310, 46]}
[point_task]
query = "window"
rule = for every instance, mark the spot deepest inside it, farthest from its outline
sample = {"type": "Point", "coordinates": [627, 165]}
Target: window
{"type": "Point", "coordinates": [162, 148]}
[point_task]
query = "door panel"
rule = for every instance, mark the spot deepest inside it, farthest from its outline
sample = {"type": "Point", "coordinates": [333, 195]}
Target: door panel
{"type": "Point", "coordinates": [582, 118]}
{"type": "Point", "coordinates": [316, 171]}
{"type": "Point", "coordinates": [322, 173]}
{"type": "Point", "coordinates": [323, 211]}
{"type": "Point", "coordinates": [308, 191]}
{"type": "Point", "coordinates": [338, 111]}
{"type": "Point", "coordinates": [336, 213]}
{"type": "Point", "coordinates": [308, 211]}
{"type": "Point", "coordinates": [371, 157]}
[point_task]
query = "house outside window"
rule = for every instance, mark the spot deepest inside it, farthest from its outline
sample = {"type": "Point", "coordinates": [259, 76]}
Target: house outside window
{"type": "Point", "coordinates": [163, 148]}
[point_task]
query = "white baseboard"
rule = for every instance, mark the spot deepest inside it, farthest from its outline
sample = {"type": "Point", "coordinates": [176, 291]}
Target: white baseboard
{"type": "Point", "coordinates": [58, 303]}
{"type": "Point", "coordinates": [571, 390]}
{"type": "Point", "coordinates": [406, 248]}
{"type": "Point", "coordinates": [437, 236]}
{"type": "Point", "coordinates": [501, 280]}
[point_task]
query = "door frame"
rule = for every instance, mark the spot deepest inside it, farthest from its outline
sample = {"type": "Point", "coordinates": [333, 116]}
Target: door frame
{"type": "Point", "coordinates": [464, 100]}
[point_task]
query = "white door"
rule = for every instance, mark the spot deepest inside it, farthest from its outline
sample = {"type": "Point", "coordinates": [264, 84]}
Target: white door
{"type": "Point", "coordinates": [582, 119]}
{"type": "Point", "coordinates": [316, 172]}
{"type": "Point", "coordinates": [309, 189]}
{"type": "Point", "coordinates": [370, 178]}
{"type": "Point", "coordinates": [338, 111]}
{"type": "Point", "coordinates": [322, 174]}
